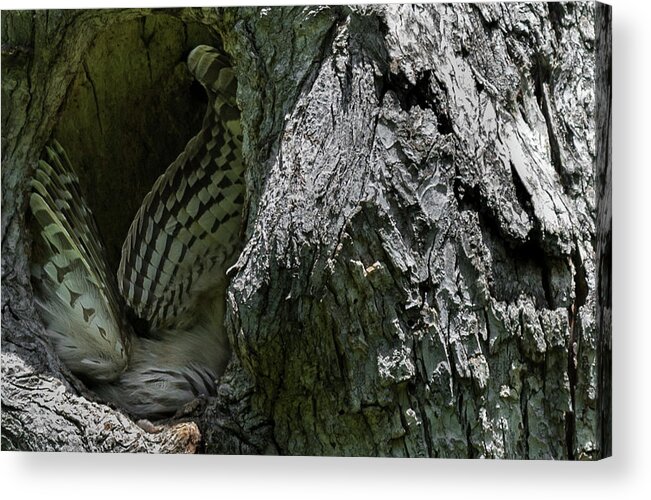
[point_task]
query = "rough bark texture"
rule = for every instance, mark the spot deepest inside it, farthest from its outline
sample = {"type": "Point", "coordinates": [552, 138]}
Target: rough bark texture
{"type": "Point", "coordinates": [427, 259]}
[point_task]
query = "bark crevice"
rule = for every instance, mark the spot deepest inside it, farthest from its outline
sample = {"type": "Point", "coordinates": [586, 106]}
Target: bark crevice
{"type": "Point", "coordinates": [427, 244]}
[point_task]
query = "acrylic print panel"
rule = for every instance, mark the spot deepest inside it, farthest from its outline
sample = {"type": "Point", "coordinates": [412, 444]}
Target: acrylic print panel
{"type": "Point", "coordinates": [356, 231]}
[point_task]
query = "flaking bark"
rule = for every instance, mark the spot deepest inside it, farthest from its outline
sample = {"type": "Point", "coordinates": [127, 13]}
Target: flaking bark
{"type": "Point", "coordinates": [426, 269]}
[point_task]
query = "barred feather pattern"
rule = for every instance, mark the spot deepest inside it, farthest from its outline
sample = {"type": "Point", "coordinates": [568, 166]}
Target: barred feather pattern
{"type": "Point", "coordinates": [184, 236]}
{"type": "Point", "coordinates": [172, 272]}
{"type": "Point", "coordinates": [75, 292]}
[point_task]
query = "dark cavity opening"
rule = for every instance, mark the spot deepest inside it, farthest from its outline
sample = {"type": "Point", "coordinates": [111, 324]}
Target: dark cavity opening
{"type": "Point", "coordinates": [130, 111]}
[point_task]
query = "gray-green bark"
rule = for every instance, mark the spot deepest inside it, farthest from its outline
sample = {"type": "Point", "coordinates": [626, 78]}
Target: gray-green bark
{"type": "Point", "coordinates": [427, 216]}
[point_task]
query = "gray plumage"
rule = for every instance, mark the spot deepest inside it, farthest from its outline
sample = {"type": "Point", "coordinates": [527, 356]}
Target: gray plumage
{"type": "Point", "coordinates": [172, 271]}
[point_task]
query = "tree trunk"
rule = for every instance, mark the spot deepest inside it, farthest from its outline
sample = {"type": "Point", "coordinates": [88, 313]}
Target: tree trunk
{"type": "Point", "coordinates": [427, 262]}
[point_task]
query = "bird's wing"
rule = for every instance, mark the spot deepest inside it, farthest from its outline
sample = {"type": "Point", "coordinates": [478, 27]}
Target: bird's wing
{"type": "Point", "coordinates": [75, 293]}
{"type": "Point", "coordinates": [185, 234]}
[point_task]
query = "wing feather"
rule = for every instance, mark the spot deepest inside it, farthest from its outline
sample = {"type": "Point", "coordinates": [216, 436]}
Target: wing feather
{"type": "Point", "coordinates": [185, 234]}
{"type": "Point", "coordinates": [74, 290]}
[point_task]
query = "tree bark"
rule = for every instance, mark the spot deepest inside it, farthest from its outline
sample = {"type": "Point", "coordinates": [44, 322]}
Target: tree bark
{"type": "Point", "coordinates": [427, 262]}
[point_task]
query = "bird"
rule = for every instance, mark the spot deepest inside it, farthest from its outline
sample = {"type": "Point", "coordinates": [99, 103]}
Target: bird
{"type": "Point", "coordinates": [172, 271]}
